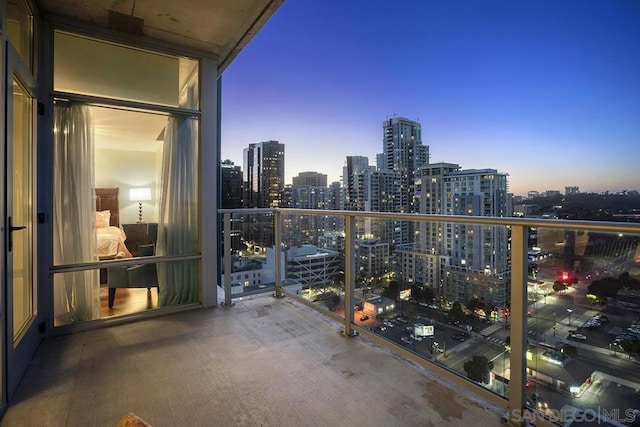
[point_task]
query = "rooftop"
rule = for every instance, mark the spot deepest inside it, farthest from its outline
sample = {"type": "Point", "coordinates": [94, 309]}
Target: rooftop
{"type": "Point", "coordinates": [262, 361]}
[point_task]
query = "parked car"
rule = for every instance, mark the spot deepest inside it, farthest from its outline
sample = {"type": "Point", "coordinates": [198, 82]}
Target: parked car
{"type": "Point", "coordinates": [578, 336]}
{"type": "Point", "coordinates": [538, 401]}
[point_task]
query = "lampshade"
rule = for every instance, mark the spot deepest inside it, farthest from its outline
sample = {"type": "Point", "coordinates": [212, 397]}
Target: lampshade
{"type": "Point", "coordinates": [139, 194]}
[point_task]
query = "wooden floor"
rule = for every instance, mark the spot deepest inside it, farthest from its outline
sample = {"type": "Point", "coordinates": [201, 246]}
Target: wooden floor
{"type": "Point", "coordinates": [128, 301]}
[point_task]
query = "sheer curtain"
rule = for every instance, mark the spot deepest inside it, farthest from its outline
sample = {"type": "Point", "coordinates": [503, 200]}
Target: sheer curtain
{"type": "Point", "coordinates": [76, 294]}
{"type": "Point", "coordinates": [178, 214]}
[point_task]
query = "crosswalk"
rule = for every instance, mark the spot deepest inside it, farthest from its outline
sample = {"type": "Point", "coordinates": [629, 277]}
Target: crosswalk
{"type": "Point", "coordinates": [497, 341]}
{"type": "Point", "coordinates": [491, 329]}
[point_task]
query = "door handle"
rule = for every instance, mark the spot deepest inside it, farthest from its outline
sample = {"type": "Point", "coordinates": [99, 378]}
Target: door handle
{"type": "Point", "coordinates": [11, 229]}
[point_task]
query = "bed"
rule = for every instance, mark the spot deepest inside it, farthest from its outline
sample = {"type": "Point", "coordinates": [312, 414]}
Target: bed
{"type": "Point", "coordinates": [111, 245]}
{"type": "Point", "coordinates": [110, 236]}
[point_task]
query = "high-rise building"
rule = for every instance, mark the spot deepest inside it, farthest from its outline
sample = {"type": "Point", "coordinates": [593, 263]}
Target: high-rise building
{"type": "Point", "coordinates": [335, 201]}
{"type": "Point", "coordinates": [231, 194]}
{"type": "Point", "coordinates": [405, 155]}
{"type": "Point", "coordinates": [369, 190]}
{"type": "Point", "coordinates": [263, 183]}
{"type": "Point", "coordinates": [263, 174]}
{"type": "Point", "coordinates": [309, 191]}
{"type": "Point", "coordinates": [231, 183]}
{"type": "Point", "coordinates": [314, 179]}
{"type": "Point", "coordinates": [372, 257]}
{"type": "Point", "coordinates": [352, 182]}
{"type": "Point", "coordinates": [461, 261]}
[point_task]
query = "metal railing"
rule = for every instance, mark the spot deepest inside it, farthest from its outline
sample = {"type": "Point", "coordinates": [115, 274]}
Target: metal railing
{"type": "Point", "coordinates": [518, 304]}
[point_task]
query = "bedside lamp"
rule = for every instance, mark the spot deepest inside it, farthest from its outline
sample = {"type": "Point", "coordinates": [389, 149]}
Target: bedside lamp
{"type": "Point", "coordinates": [140, 195]}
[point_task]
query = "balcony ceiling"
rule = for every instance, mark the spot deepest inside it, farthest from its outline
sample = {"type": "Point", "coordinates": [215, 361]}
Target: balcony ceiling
{"type": "Point", "coordinates": [219, 27]}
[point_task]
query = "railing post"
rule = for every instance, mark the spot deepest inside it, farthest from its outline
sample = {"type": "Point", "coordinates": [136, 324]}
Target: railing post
{"type": "Point", "coordinates": [277, 252]}
{"type": "Point", "coordinates": [518, 318]}
{"type": "Point", "coordinates": [349, 272]}
{"type": "Point", "coordinates": [226, 243]}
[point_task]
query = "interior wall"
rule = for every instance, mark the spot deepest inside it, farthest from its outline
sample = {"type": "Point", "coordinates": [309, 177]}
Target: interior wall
{"type": "Point", "coordinates": [126, 170]}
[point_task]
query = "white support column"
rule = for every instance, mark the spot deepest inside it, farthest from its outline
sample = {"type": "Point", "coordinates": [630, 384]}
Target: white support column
{"type": "Point", "coordinates": [208, 195]}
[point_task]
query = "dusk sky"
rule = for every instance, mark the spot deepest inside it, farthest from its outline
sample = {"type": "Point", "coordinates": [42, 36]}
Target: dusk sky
{"type": "Point", "coordinates": [547, 91]}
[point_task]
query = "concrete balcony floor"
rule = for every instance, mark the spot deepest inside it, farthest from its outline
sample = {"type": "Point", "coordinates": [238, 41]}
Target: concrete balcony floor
{"type": "Point", "coordinates": [262, 362]}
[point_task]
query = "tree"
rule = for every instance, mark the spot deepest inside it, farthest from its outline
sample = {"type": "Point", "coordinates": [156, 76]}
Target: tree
{"type": "Point", "coordinates": [478, 369]}
{"type": "Point", "coordinates": [473, 304]}
{"type": "Point", "coordinates": [392, 291]}
{"type": "Point", "coordinates": [330, 299]}
{"type": "Point", "coordinates": [488, 309]}
{"type": "Point", "coordinates": [456, 312]}
{"type": "Point", "coordinates": [605, 288]}
{"type": "Point", "coordinates": [416, 292]}
{"type": "Point", "coordinates": [427, 294]}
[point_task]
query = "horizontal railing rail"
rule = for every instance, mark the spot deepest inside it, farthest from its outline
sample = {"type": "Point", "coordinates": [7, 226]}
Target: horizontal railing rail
{"type": "Point", "coordinates": [601, 226]}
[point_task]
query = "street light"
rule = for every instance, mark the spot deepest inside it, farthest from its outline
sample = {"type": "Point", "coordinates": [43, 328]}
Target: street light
{"type": "Point", "coordinates": [569, 311]}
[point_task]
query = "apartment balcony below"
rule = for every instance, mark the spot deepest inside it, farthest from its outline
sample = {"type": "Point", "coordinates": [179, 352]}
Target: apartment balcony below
{"type": "Point", "coordinates": [261, 362]}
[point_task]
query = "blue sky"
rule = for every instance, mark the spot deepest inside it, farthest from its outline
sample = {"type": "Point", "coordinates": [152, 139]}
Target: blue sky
{"type": "Point", "coordinates": [547, 91]}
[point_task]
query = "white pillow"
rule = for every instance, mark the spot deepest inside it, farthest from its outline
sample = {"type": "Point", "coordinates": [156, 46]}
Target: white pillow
{"type": "Point", "coordinates": [102, 219]}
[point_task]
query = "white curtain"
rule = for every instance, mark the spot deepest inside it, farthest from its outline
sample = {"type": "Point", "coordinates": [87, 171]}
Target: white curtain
{"type": "Point", "coordinates": [178, 217]}
{"type": "Point", "coordinates": [76, 294]}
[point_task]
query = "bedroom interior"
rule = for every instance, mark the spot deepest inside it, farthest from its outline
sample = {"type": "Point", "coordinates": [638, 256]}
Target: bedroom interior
{"type": "Point", "coordinates": [125, 241]}
{"type": "Point", "coordinates": [128, 155]}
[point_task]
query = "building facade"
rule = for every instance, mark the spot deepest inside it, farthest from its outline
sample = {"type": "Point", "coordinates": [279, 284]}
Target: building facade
{"type": "Point", "coordinates": [231, 198]}
{"type": "Point", "coordinates": [461, 261]}
{"type": "Point", "coordinates": [263, 184]}
{"type": "Point", "coordinates": [263, 174]}
{"type": "Point", "coordinates": [404, 154]}
{"type": "Point", "coordinates": [230, 185]}
{"type": "Point", "coordinates": [372, 258]}
{"type": "Point", "coordinates": [312, 266]}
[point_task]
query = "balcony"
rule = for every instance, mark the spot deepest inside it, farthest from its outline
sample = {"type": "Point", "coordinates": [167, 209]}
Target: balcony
{"type": "Point", "coordinates": [350, 359]}
{"type": "Point", "coordinates": [261, 362]}
{"type": "Point", "coordinates": [553, 346]}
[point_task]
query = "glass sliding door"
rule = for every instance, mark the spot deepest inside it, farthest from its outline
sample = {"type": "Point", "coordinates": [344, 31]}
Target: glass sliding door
{"type": "Point", "coordinates": [20, 220]}
{"type": "Point", "coordinates": [135, 157]}
{"type": "Point", "coordinates": [20, 247]}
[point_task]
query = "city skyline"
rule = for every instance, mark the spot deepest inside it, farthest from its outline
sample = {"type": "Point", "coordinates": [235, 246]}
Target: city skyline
{"type": "Point", "coordinates": [546, 92]}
